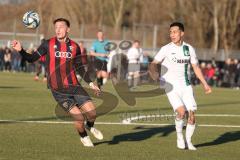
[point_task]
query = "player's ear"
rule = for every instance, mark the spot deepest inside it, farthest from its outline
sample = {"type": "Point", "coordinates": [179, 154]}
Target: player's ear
{"type": "Point", "coordinates": [182, 33]}
{"type": "Point", "coordinates": [68, 30]}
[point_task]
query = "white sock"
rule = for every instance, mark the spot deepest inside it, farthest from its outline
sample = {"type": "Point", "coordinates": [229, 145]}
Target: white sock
{"type": "Point", "coordinates": [189, 131]}
{"type": "Point", "coordinates": [129, 81]}
{"type": "Point", "coordinates": [104, 80]}
{"type": "Point", "coordinates": [179, 123]}
{"type": "Point", "coordinates": [135, 81]}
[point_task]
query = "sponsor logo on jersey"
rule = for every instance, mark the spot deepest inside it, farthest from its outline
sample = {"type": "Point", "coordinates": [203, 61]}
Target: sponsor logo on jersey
{"type": "Point", "coordinates": [174, 59]}
{"type": "Point", "coordinates": [63, 54]}
{"type": "Point", "coordinates": [183, 61]}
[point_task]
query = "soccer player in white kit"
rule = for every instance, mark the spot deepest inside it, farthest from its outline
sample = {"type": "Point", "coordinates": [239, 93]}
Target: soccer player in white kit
{"type": "Point", "coordinates": [175, 59]}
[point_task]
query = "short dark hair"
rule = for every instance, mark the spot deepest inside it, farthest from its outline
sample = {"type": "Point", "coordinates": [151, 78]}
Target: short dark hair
{"type": "Point", "coordinates": [178, 24]}
{"type": "Point", "coordinates": [62, 20]}
{"type": "Point", "coordinates": [100, 30]}
{"type": "Point", "coordinates": [136, 41]}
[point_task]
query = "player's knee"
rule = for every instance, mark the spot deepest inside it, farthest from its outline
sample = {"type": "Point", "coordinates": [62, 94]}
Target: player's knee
{"type": "Point", "coordinates": [91, 115]}
{"type": "Point", "coordinates": [180, 113]}
{"type": "Point", "coordinates": [191, 121]}
{"type": "Point", "coordinates": [191, 118]}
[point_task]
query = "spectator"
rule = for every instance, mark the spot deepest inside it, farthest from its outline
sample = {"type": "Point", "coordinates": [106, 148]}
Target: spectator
{"type": "Point", "coordinates": [232, 73]}
{"type": "Point", "coordinates": [41, 68]}
{"type": "Point", "coordinates": [2, 52]}
{"type": "Point", "coordinates": [237, 76]}
{"type": "Point", "coordinates": [7, 60]}
{"type": "Point", "coordinates": [31, 67]}
{"type": "Point", "coordinates": [216, 78]}
{"type": "Point", "coordinates": [226, 77]}
{"type": "Point", "coordinates": [210, 72]}
{"type": "Point", "coordinates": [16, 61]}
{"type": "Point", "coordinates": [133, 56]}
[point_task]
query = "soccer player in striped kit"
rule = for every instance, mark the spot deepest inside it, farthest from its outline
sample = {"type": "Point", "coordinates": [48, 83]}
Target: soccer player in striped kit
{"type": "Point", "coordinates": [63, 59]}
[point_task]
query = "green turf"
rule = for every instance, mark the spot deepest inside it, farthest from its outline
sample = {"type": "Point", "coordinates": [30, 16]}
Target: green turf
{"type": "Point", "coordinates": [21, 98]}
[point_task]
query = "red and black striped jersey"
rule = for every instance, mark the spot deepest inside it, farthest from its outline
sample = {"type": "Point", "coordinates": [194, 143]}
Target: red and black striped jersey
{"type": "Point", "coordinates": [63, 59]}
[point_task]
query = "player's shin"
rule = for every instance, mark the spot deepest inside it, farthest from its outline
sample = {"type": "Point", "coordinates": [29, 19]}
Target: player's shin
{"type": "Point", "coordinates": [191, 125]}
{"type": "Point", "coordinates": [189, 131]}
{"type": "Point", "coordinates": [130, 77]}
{"type": "Point", "coordinates": [79, 125]}
{"type": "Point", "coordinates": [91, 117]}
{"type": "Point", "coordinates": [135, 81]}
{"type": "Point", "coordinates": [179, 123]}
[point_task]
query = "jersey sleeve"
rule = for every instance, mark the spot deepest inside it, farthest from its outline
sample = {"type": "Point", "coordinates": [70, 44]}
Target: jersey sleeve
{"type": "Point", "coordinates": [93, 47]}
{"type": "Point", "coordinates": [79, 67]}
{"type": "Point", "coordinates": [43, 48]}
{"type": "Point", "coordinates": [160, 55]}
{"type": "Point", "coordinates": [193, 56]}
{"type": "Point", "coordinates": [41, 51]}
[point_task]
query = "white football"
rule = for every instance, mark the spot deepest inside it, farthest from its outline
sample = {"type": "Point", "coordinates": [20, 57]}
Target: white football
{"type": "Point", "coordinates": [31, 19]}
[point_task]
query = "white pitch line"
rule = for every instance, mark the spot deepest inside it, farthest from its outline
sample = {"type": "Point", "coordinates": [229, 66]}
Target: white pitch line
{"type": "Point", "coordinates": [118, 123]}
{"type": "Point", "coordinates": [217, 115]}
{"type": "Point", "coordinates": [130, 119]}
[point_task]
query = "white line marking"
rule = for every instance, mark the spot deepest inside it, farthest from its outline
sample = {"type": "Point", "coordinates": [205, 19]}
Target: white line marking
{"type": "Point", "coordinates": [217, 115]}
{"type": "Point", "coordinates": [151, 116]}
{"type": "Point", "coordinates": [118, 123]}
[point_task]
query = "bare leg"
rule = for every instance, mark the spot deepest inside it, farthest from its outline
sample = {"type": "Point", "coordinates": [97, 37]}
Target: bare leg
{"type": "Point", "coordinates": [90, 112]}
{"type": "Point", "coordinates": [78, 120]}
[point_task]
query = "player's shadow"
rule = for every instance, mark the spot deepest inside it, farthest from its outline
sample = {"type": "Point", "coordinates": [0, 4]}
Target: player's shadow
{"type": "Point", "coordinates": [141, 135]}
{"type": "Point", "coordinates": [222, 139]}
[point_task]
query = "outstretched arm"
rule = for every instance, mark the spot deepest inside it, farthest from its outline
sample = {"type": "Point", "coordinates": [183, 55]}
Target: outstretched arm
{"type": "Point", "coordinates": [153, 70]}
{"type": "Point", "coordinates": [29, 57]}
{"type": "Point", "coordinates": [153, 67]}
{"type": "Point", "coordinates": [199, 75]}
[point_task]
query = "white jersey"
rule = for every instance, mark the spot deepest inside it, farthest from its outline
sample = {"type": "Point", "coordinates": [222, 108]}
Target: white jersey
{"type": "Point", "coordinates": [134, 55]}
{"type": "Point", "coordinates": [175, 63]}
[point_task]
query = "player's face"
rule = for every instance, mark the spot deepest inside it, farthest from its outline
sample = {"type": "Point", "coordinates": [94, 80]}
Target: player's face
{"type": "Point", "coordinates": [81, 44]}
{"type": "Point", "coordinates": [176, 34]}
{"type": "Point", "coordinates": [61, 30]}
{"type": "Point", "coordinates": [100, 35]}
{"type": "Point", "coordinates": [137, 45]}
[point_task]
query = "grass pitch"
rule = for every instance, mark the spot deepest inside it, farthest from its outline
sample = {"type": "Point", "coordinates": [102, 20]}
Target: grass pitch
{"type": "Point", "coordinates": [23, 100]}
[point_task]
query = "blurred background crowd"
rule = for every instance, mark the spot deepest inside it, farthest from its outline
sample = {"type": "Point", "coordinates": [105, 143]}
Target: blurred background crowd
{"type": "Point", "coordinates": [217, 73]}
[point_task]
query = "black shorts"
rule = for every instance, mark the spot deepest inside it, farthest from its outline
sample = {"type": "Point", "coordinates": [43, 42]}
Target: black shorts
{"type": "Point", "coordinates": [68, 98]}
{"type": "Point", "coordinates": [100, 65]}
